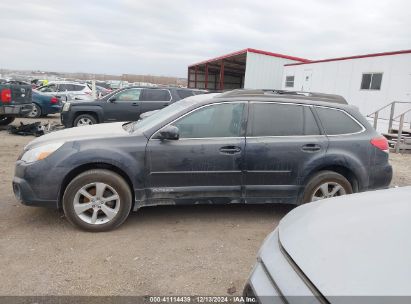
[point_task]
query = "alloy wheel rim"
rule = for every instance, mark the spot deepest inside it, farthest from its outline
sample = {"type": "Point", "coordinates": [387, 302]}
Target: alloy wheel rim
{"type": "Point", "coordinates": [84, 122]}
{"type": "Point", "coordinates": [33, 112]}
{"type": "Point", "coordinates": [96, 203]}
{"type": "Point", "coordinates": [327, 190]}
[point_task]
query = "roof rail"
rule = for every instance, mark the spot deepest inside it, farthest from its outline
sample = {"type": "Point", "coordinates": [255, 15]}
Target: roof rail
{"type": "Point", "coordinates": [271, 92]}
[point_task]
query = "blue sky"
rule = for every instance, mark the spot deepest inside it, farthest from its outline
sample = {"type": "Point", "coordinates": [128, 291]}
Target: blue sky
{"type": "Point", "coordinates": [163, 37]}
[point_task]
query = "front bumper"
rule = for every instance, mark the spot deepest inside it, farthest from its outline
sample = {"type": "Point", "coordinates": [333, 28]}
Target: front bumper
{"type": "Point", "coordinates": [25, 194]}
{"type": "Point", "coordinates": [16, 109]}
{"type": "Point", "coordinates": [274, 279]}
{"type": "Point", "coordinates": [67, 119]}
{"type": "Point", "coordinates": [38, 183]}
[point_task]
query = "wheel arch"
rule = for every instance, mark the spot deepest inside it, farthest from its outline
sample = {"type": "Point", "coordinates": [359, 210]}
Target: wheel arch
{"type": "Point", "coordinates": [348, 173]}
{"type": "Point", "coordinates": [88, 112]}
{"type": "Point", "coordinates": [90, 166]}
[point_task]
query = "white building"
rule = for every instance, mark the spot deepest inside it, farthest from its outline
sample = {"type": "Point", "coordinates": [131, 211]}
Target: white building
{"type": "Point", "coordinates": [367, 81]}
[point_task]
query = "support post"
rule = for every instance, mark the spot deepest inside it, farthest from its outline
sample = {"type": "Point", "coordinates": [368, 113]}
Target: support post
{"type": "Point", "coordinates": [398, 143]}
{"type": "Point", "coordinates": [195, 76]}
{"type": "Point", "coordinates": [375, 120]}
{"type": "Point", "coordinates": [222, 76]}
{"type": "Point", "coordinates": [391, 117]}
{"type": "Point", "coordinates": [206, 76]}
{"type": "Point", "coordinates": [188, 78]}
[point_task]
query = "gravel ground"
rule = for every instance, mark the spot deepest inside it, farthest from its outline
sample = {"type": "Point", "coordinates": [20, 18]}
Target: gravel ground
{"type": "Point", "coordinates": [184, 250]}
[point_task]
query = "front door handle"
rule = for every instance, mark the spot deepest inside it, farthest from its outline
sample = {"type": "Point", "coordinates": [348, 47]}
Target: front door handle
{"type": "Point", "coordinates": [230, 150]}
{"type": "Point", "coordinates": [311, 148]}
{"type": "Point", "coordinates": [135, 104]}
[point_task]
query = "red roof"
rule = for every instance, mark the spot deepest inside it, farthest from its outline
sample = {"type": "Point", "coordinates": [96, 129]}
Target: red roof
{"type": "Point", "coordinates": [353, 57]}
{"type": "Point", "coordinates": [302, 60]}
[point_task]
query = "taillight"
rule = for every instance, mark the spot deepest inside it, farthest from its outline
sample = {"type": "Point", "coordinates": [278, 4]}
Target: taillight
{"type": "Point", "coordinates": [6, 95]}
{"type": "Point", "coordinates": [54, 100]}
{"type": "Point", "coordinates": [381, 143]}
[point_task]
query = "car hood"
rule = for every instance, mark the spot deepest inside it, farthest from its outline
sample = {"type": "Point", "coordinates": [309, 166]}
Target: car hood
{"type": "Point", "coordinates": [104, 130]}
{"type": "Point", "coordinates": [355, 245]}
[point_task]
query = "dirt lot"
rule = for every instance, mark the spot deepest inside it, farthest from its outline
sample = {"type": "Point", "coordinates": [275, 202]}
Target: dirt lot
{"type": "Point", "coordinates": [158, 251]}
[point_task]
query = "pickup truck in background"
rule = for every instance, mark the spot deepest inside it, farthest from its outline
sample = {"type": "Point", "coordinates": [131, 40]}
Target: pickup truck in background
{"type": "Point", "coordinates": [15, 101]}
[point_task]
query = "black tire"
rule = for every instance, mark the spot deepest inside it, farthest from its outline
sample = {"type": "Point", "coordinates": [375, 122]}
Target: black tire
{"type": "Point", "coordinates": [321, 178]}
{"type": "Point", "coordinates": [36, 112]}
{"type": "Point", "coordinates": [84, 117]}
{"type": "Point", "coordinates": [109, 178]}
{"type": "Point", "coordinates": [5, 120]}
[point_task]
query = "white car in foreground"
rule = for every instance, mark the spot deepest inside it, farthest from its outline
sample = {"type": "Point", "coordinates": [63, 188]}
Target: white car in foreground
{"type": "Point", "coordinates": [349, 249]}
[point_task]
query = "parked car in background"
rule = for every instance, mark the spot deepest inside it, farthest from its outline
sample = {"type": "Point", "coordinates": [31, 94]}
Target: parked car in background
{"type": "Point", "coordinates": [44, 104]}
{"type": "Point", "coordinates": [299, 149]}
{"type": "Point", "coordinates": [67, 90]}
{"type": "Point", "coordinates": [15, 101]}
{"type": "Point", "coordinates": [351, 249]}
{"type": "Point", "coordinates": [101, 91]}
{"type": "Point", "coordinates": [126, 104]}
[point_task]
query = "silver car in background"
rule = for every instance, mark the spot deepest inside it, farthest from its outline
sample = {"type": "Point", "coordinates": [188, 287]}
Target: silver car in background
{"type": "Point", "coordinates": [67, 90]}
{"type": "Point", "coordinates": [350, 249]}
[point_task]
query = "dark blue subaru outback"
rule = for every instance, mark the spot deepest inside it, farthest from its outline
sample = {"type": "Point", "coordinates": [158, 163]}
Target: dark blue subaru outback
{"type": "Point", "coordinates": [244, 146]}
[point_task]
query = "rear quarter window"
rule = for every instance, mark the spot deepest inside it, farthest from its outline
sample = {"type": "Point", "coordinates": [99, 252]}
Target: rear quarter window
{"type": "Point", "coordinates": [156, 95]}
{"type": "Point", "coordinates": [185, 93]}
{"type": "Point", "coordinates": [337, 122]}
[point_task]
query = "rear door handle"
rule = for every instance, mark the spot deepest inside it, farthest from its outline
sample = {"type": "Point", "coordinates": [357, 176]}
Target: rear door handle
{"type": "Point", "coordinates": [311, 148]}
{"type": "Point", "coordinates": [230, 150]}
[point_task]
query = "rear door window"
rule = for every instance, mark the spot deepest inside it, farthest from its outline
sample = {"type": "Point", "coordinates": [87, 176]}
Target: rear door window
{"type": "Point", "coordinates": [273, 119]}
{"type": "Point", "coordinates": [336, 122]}
{"type": "Point", "coordinates": [77, 87]}
{"type": "Point", "coordinates": [156, 95]}
{"type": "Point", "coordinates": [48, 88]}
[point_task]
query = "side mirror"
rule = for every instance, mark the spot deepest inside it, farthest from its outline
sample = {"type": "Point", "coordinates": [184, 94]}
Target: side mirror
{"type": "Point", "coordinates": [168, 132]}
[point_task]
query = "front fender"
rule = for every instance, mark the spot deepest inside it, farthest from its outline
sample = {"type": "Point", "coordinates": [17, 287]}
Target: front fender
{"type": "Point", "coordinates": [132, 165]}
{"type": "Point", "coordinates": [97, 110]}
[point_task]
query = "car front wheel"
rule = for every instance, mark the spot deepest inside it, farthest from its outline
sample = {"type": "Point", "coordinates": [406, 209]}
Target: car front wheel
{"type": "Point", "coordinates": [84, 120]}
{"type": "Point", "coordinates": [97, 200]}
{"type": "Point", "coordinates": [326, 184]}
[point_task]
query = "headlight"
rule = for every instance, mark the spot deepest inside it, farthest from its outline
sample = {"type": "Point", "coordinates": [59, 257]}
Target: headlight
{"type": "Point", "coordinates": [40, 153]}
{"type": "Point", "coordinates": [66, 107]}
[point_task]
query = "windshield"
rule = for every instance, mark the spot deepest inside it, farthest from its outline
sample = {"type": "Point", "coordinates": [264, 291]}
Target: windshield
{"type": "Point", "coordinates": [165, 113]}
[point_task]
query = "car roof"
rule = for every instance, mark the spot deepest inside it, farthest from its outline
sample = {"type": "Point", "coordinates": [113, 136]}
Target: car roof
{"type": "Point", "coordinates": [319, 99]}
{"type": "Point", "coordinates": [161, 88]}
{"type": "Point", "coordinates": [65, 82]}
{"type": "Point", "coordinates": [284, 94]}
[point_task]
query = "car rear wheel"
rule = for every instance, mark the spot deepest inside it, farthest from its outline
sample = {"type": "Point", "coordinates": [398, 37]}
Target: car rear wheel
{"type": "Point", "coordinates": [97, 200]}
{"type": "Point", "coordinates": [4, 120]}
{"type": "Point", "coordinates": [35, 112]}
{"type": "Point", "coordinates": [326, 184]}
{"type": "Point", "coordinates": [84, 120]}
